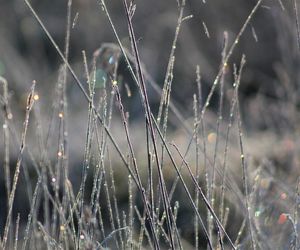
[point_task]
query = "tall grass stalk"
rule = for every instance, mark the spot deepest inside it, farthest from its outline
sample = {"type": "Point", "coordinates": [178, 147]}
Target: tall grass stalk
{"type": "Point", "coordinates": [243, 163]}
{"type": "Point", "coordinates": [29, 105]}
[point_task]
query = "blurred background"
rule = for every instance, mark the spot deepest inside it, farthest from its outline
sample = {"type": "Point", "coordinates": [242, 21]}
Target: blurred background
{"type": "Point", "coordinates": [269, 91]}
{"type": "Point", "coordinates": [270, 83]}
{"type": "Point", "coordinates": [269, 43]}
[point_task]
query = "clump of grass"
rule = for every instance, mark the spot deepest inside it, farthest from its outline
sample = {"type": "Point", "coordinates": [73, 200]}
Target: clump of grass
{"type": "Point", "coordinates": [171, 186]}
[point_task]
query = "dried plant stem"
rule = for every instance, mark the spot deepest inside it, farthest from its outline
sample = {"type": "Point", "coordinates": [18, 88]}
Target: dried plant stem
{"type": "Point", "coordinates": [155, 86]}
{"type": "Point", "coordinates": [165, 97]}
{"type": "Point", "coordinates": [17, 232]}
{"type": "Point", "coordinates": [243, 164]}
{"type": "Point", "coordinates": [7, 116]}
{"type": "Point", "coordinates": [203, 135]}
{"type": "Point", "coordinates": [144, 97]}
{"type": "Point", "coordinates": [115, 202]}
{"type": "Point", "coordinates": [236, 85]}
{"type": "Point", "coordinates": [228, 56]}
{"type": "Point", "coordinates": [48, 237]}
{"type": "Point", "coordinates": [44, 163]}
{"type": "Point", "coordinates": [245, 183]}
{"type": "Point", "coordinates": [140, 186]}
{"type": "Point", "coordinates": [86, 162]}
{"type": "Point", "coordinates": [143, 229]}
{"type": "Point", "coordinates": [219, 121]}
{"type": "Point", "coordinates": [183, 183]}
{"type": "Point", "coordinates": [79, 84]}
{"type": "Point", "coordinates": [109, 207]}
{"type": "Point", "coordinates": [239, 235]}
{"type": "Point", "coordinates": [63, 164]}
{"type": "Point", "coordinates": [32, 213]}
{"type": "Point", "coordinates": [196, 222]}
{"type": "Point", "coordinates": [64, 107]}
{"type": "Point", "coordinates": [220, 73]}
{"type": "Point", "coordinates": [6, 141]}
{"type": "Point", "coordinates": [29, 105]}
{"type": "Point", "coordinates": [130, 212]}
{"type": "Point", "coordinates": [196, 184]}
{"type": "Point", "coordinates": [149, 123]}
{"type": "Point", "coordinates": [205, 200]}
{"type": "Point", "coordinates": [222, 69]}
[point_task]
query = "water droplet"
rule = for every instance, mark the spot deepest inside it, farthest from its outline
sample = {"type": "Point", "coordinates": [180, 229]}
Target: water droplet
{"type": "Point", "coordinates": [82, 237]}
{"type": "Point", "coordinates": [53, 179]}
{"type": "Point", "coordinates": [4, 126]}
{"type": "Point", "coordinates": [36, 97]}
{"type": "Point", "coordinates": [60, 115]}
{"type": "Point", "coordinates": [59, 154]}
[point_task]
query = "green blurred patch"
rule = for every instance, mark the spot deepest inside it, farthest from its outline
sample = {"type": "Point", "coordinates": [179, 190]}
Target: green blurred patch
{"type": "Point", "coordinates": [101, 77]}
